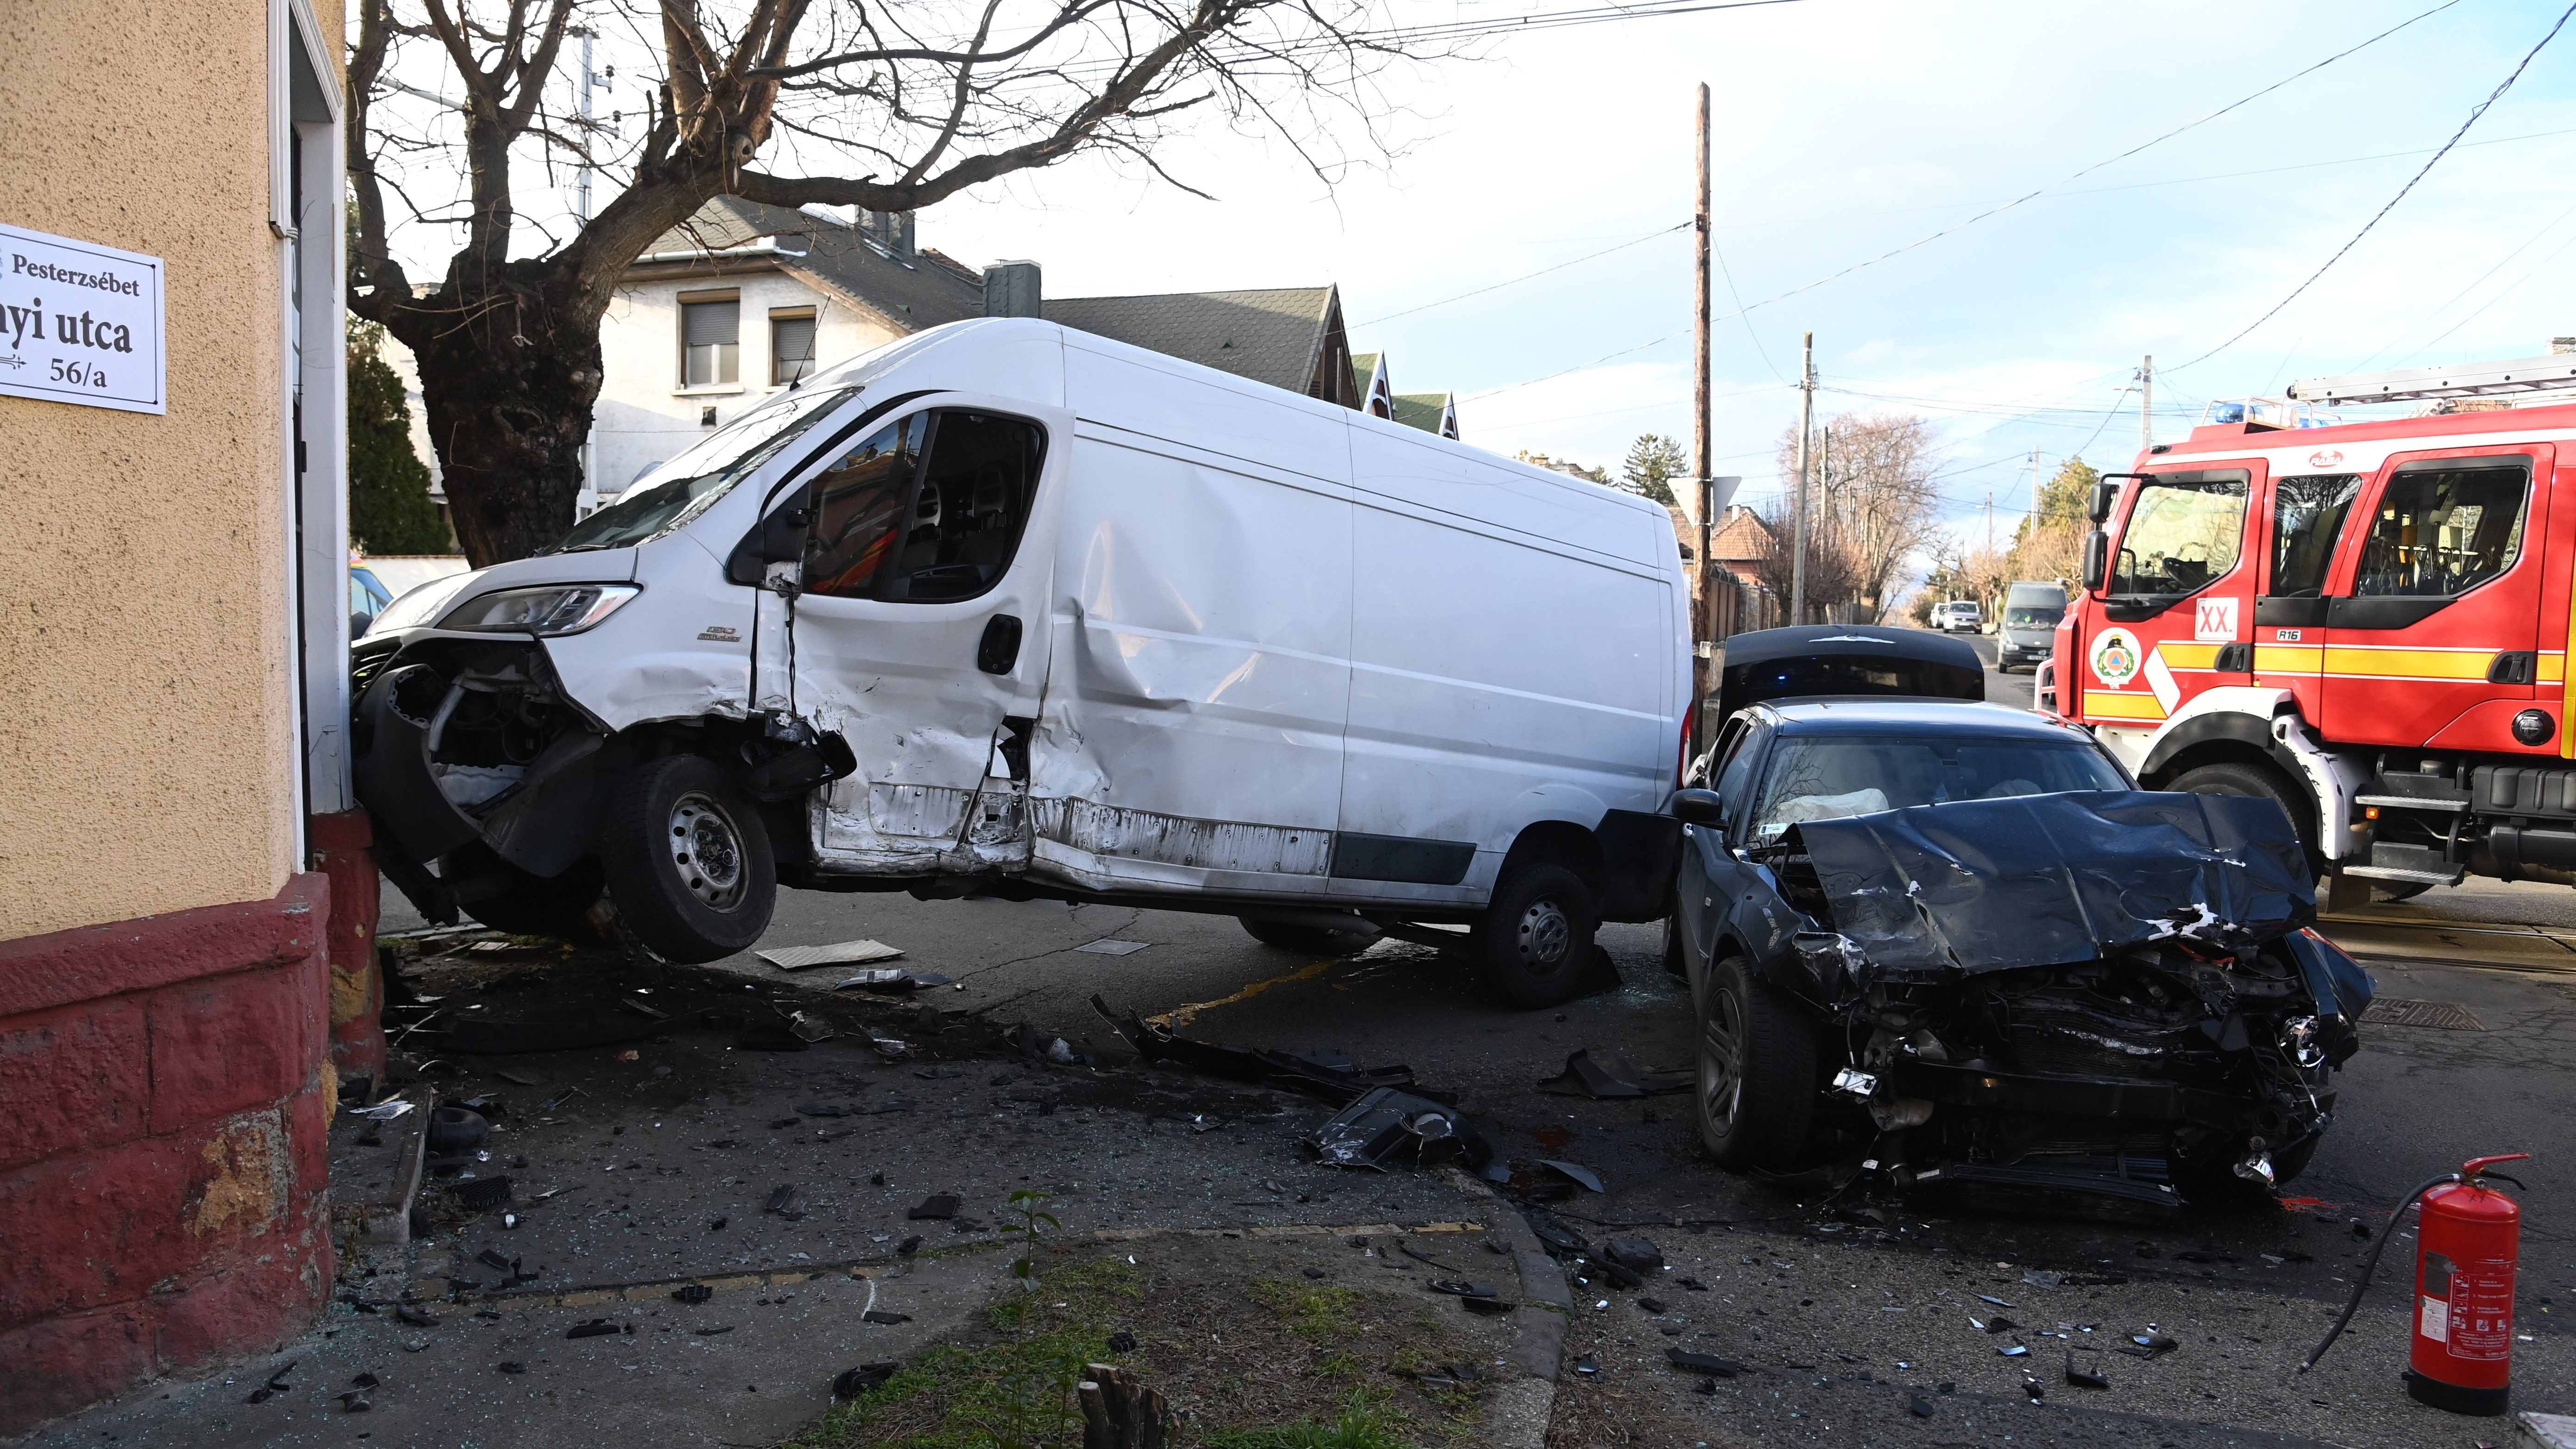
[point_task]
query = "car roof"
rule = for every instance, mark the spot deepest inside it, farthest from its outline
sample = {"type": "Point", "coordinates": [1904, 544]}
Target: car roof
{"type": "Point", "coordinates": [1878, 715]}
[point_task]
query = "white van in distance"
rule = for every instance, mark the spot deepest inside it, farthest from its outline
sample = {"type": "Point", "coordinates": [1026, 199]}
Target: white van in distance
{"type": "Point", "coordinates": [1008, 609]}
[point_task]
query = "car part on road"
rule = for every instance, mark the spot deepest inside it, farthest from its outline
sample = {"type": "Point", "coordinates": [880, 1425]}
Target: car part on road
{"type": "Point", "coordinates": [938, 1207]}
{"type": "Point", "coordinates": [481, 1194]}
{"type": "Point", "coordinates": [1574, 1172]}
{"type": "Point", "coordinates": [1639, 1255]}
{"type": "Point", "coordinates": [2089, 1378]}
{"type": "Point", "coordinates": [1386, 1128]}
{"type": "Point", "coordinates": [1533, 944]}
{"type": "Point", "coordinates": [1307, 939]}
{"type": "Point", "coordinates": [1494, 1307]}
{"type": "Point", "coordinates": [852, 1382]}
{"type": "Point", "coordinates": [1585, 1076]}
{"type": "Point", "coordinates": [455, 1129]}
{"type": "Point", "coordinates": [1708, 1364]}
{"type": "Point", "coordinates": [1326, 1076]}
{"type": "Point", "coordinates": [687, 860]}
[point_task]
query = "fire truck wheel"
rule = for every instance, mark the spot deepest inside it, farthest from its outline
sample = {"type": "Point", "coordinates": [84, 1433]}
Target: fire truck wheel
{"type": "Point", "coordinates": [2260, 782]}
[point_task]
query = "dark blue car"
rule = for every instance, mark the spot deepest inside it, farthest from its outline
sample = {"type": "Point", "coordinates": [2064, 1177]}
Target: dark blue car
{"type": "Point", "coordinates": [1953, 941]}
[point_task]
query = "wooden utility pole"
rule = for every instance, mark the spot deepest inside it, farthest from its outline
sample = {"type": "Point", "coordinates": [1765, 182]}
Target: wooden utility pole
{"type": "Point", "coordinates": [1798, 526]}
{"type": "Point", "coordinates": [1710, 622]}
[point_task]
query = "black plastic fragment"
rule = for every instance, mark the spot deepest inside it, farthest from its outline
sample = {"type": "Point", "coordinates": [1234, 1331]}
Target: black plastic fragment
{"type": "Point", "coordinates": [1588, 1366]}
{"type": "Point", "coordinates": [2145, 1345]}
{"type": "Point", "coordinates": [511, 1368]}
{"type": "Point", "coordinates": [782, 1201]}
{"type": "Point", "coordinates": [595, 1328]}
{"type": "Point", "coordinates": [1556, 1237]}
{"type": "Point", "coordinates": [2084, 1378]}
{"type": "Point", "coordinates": [1639, 1254]}
{"type": "Point", "coordinates": [852, 1382]}
{"type": "Point", "coordinates": [491, 1259]}
{"type": "Point", "coordinates": [1384, 1128]}
{"type": "Point", "coordinates": [1703, 1363]}
{"type": "Point", "coordinates": [1652, 1305]}
{"type": "Point", "coordinates": [1122, 1342]}
{"type": "Point", "coordinates": [693, 1293]}
{"type": "Point", "coordinates": [354, 1401]}
{"type": "Point", "coordinates": [1693, 1284]}
{"type": "Point", "coordinates": [483, 1193]}
{"type": "Point", "coordinates": [1585, 1076]}
{"type": "Point", "coordinates": [1327, 1076]}
{"type": "Point", "coordinates": [938, 1207]}
{"type": "Point", "coordinates": [1462, 1290]}
{"type": "Point", "coordinates": [1493, 1307]}
{"type": "Point", "coordinates": [879, 1315]}
{"type": "Point", "coordinates": [414, 1316]}
{"type": "Point", "coordinates": [781, 1124]}
{"type": "Point", "coordinates": [366, 1381]}
{"type": "Point", "coordinates": [1919, 1406]}
{"type": "Point", "coordinates": [908, 1246]}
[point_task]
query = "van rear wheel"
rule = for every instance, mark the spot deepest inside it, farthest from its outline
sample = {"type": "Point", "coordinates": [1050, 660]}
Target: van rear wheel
{"type": "Point", "coordinates": [687, 861]}
{"type": "Point", "coordinates": [1534, 942]}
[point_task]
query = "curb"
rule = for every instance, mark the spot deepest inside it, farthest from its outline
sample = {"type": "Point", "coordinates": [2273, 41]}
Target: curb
{"type": "Point", "coordinates": [1524, 1408]}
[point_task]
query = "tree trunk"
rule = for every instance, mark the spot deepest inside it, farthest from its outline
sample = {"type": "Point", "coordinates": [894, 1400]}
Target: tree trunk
{"type": "Point", "coordinates": [509, 368]}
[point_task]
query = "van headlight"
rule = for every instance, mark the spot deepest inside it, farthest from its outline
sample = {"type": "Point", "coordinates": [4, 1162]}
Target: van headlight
{"type": "Point", "coordinates": [546, 612]}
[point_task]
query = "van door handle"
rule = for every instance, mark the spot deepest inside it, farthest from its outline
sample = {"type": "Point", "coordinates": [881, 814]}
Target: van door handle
{"type": "Point", "coordinates": [1000, 648]}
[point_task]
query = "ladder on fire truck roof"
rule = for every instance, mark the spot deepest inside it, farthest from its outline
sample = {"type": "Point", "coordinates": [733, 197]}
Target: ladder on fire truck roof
{"type": "Point", "coordinates": [2475, 379]}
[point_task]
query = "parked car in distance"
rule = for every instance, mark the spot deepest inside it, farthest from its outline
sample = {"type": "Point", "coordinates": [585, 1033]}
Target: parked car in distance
{"type": "Point", "coordinates": [1006, 609]}
{"type": "Point", "coordinates": [1953, 937]}
{"type": "Point", "coordinates": [2029, 630]}
{"type": "Point", "coordinates": [367, 597]}
{"type": "Point", "coordinates": [1958, 616]}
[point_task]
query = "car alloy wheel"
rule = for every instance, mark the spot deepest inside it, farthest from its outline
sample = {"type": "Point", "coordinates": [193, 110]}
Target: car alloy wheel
{"type": "Point", "coordinates": [1721, 1060]}
{"type": "Point", "coordinates": [707, 848]}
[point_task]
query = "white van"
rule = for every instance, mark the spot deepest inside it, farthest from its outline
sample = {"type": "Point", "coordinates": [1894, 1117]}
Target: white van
{"type": "Point", "coordinates": [1007, 609]}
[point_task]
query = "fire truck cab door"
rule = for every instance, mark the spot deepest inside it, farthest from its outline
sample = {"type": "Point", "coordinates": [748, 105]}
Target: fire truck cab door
{"type": "Point", "coordinates": [2433, 622]}
{"type": "Point", "coordinates": [2180, 595]}
{"type": "Point", "coordinates": [2306, 517]}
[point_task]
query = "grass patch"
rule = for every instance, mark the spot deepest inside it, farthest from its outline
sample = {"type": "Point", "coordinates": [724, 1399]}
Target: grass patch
{"type": "Point", "coordinates": [1312, 1311]}
{"type": "Point", "coordinates": [1365, 1423]}
{"type": "Point", "coordinates": [1015, 1389]}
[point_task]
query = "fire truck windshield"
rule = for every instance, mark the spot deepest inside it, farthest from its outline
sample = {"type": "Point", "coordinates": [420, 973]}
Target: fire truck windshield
{"type": "Point", "coordinates": [2183, 532]}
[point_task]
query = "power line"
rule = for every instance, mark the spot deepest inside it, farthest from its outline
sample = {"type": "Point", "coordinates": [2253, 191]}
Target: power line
{"type": "Point", "coordinates": [2476, 111]}
{"type": "Point", "coordinates": [1515, 281]}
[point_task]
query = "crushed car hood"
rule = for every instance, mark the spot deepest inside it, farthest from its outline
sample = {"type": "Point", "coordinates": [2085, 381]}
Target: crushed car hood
{"type": "Point", "coordinates": [2046, 880]}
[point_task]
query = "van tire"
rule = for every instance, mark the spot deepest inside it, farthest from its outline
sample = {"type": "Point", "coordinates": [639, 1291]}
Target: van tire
{"type": "Point", "coordinates": [1533, 945]}
{"type": "Point", "coordinates": [1754, 1088]}
{"type": "Point", "coordinates": [687, 860]}
{"type": "Point", "coordinates": [2260, 782]}
{"type": "Point", "coordinates": [1306, 940]}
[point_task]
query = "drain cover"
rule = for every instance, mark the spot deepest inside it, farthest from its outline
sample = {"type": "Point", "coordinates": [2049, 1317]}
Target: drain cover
{"type": "Point", "coordinates": [2390, 1011]}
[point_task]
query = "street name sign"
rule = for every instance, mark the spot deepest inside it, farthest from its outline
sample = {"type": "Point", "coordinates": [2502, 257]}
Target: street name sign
{"type": "Point", "coordinates": [80, 323]}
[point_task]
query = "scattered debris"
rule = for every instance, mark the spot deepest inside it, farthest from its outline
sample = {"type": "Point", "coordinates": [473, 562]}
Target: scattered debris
{"type": "Point", "coordinates": [482, 1194]}
{"type": "Point", "coordinates": [2015, 1351]}
{"type": "Point", "coordinates": [938, 1207]}
{"type": "Point", "coordinates": [511, 1367]}
{"type": "Point", "coordinates": [1588, 1366]}
{"type": "Point", "coordinates": [415, 1317]}
{"type": "Point", "coordinates": [1325, 1076]}
{"type": "Point", "coordinates": [595, 1328]}
{"type": "Point", "coordinates": [891, 981]}
{"type": "Point", "coordinates": [1616, 1077]}
{"type": "Point", "coordinates": [879, 1315]}
{"type": "Point", "coordinates": [850, 1383]}
{"type": "Point", "coordinates": [456, 1129]}
{"type": "Point", "coordinates": [1919, 1406]}
{"type": "Point", "coordinates": [1491, 1306]}
{"type": "Point", "coordinates": [1694, 1285]}
{"type": "Point", "coordinates": [558, 1099]}
{"type": "Point", "coordinates": [845, 953]}
{"type": "Point", "coordinates": [782, 1201]}
{"type": "Point", "coordinates": [1703, 1363]}
{"type": "Point", "coordinates": [384, 1111]}
{"type": "Point", "coordinates": [2041, 1278]}
{"type": "Point", "coordinates": [2146, 1345]}
{"type": "Point", "coordinates": [1122, 1342]}
{"type": "Point", "coordinates": [810, 1028]}
{"type": "Point", "coordinates": [1639, 1254]}
{"type": "Point", "coordinates": [1575, 1171]}
{"type": "Point", "coordinates": [712, 1332]}
{"type": "Point", "coordinates": [1984, 1298]}
{"type": "Point", "coordinates": [2092, 1378]}
{"type": "Point", "coordinates": [1462, 1290]}
{"type": "Point", "coordinates": [693, 1293]}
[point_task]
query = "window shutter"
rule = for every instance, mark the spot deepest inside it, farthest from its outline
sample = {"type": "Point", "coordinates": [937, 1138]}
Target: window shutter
{"type": "Point", "coordinates": [711, 324]}
{"type": "Point", "coordinates": [795, 339]}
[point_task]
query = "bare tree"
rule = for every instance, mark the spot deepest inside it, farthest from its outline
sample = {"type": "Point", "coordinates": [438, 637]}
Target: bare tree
{"type": "Point", "coordinates": [1873, 506]}
{"type": "Point", "coordinates": [925, 98]}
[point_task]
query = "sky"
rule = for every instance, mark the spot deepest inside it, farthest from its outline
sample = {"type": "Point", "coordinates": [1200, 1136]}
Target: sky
{"type": "Point", "coordinates": [1843, 130]}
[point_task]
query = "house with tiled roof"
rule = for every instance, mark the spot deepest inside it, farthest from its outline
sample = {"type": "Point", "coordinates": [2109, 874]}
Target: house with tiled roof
{"type": "Point", "coordinates": [1432, 412]}
{"type": "Point", "coordinates": [1288, 337]}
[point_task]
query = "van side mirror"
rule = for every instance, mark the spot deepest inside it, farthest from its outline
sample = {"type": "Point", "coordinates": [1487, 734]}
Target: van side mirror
{"type": "Point", "coordinates": [1700, 807]}
{"type": "Point", "coordinates": [778, 538]}
{"type": "Point", "coordinates": [2106, 496]}
{"type": "Point", "coordinates": [2097, 558]}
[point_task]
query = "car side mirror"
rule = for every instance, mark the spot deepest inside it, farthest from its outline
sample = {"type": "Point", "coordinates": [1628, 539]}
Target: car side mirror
{"type": "Point", "coordinates": [2106, 496]}
{"type": "Point", "coordinates": [1700, 807]}
{"type": "Point", "coordinates": [2097, 559]}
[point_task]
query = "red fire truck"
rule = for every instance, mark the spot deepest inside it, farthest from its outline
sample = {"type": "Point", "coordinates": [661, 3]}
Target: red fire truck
{"type": "Point", "coordinates": [2367, 622]}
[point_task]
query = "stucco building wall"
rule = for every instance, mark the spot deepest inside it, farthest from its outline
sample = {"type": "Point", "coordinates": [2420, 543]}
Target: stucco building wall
{"type": "Point", "coordinates": [146, 725]}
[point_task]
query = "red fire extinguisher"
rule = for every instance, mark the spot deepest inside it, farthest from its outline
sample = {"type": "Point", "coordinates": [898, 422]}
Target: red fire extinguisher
{"type": "Point", "coordinates": [2468, 1238]}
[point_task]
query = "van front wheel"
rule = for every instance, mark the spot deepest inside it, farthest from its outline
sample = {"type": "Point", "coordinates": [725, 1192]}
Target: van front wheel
{"type": "Point", "coordinates": [1534, 942]}
{"type": "Point", "coordinates": [687, 861]}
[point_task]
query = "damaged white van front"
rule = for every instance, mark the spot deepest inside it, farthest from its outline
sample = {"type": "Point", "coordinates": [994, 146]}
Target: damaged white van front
{"type": "Point", "coordinates": [1007, 609]}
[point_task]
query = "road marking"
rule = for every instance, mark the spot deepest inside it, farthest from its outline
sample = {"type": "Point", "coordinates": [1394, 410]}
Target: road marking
{"type": "Point", "coordinates": [1181, 1016]}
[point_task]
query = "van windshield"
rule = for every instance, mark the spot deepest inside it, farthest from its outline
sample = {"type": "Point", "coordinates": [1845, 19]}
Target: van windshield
{"type": "Point", "coordinates": [2033, 618]}
{"type": "Point", "coordinates": [692, 482]}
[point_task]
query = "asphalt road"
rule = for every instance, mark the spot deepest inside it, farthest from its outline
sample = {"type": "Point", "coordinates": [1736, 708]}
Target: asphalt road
{"type": "Point", "coordinates": [1844, 1324]}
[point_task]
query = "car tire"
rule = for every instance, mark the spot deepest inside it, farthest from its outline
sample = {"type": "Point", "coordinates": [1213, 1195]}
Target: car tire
{"type": "Point", "coordinates": [687, 860]}
{"type": "Point", "coordinates": [2259, 782]}
{"type": "Point", "coordinates": [1307, 940]}
{"type": "Point", "coordinates": [1755, 1091]}
{"type": "Point", "coordinates": [1533, 945]}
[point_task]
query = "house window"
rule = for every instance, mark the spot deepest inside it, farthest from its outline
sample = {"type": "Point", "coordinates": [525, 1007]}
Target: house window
{"type": "Point", "coordinates": [711, 343]}
{"type": "Point", "coordinates": [791, 347]}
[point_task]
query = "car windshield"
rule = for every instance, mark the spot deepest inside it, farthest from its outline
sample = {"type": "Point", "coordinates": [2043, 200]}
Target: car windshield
{"type": "Point", "coordinates": [692, 482]}
{"type": "Point", "coordinates": [2028, 618]}
{"type": "Point", "coordinates": [1828, 777]}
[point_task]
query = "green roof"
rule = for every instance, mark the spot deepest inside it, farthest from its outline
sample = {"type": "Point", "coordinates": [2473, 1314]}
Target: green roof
{"type": "Point", "coordinates": [1424, 410]}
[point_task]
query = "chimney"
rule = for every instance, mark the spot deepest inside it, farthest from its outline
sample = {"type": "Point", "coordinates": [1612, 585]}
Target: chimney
{"type": "Point", "coordinates": [1011, 289]}
{"type": "Point", "coordinates": [2561, 345]}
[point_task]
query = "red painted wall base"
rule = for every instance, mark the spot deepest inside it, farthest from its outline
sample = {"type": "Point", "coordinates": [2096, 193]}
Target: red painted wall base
{"type": "Point", "coordinates": [163, 1157]}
